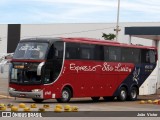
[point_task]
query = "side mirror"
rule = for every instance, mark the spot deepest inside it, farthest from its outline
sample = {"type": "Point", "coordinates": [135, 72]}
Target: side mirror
{"type": "Point", "coordinates": [39, 68]}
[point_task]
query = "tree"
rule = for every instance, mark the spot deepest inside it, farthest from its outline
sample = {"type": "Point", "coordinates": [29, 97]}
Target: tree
{"type": "Point", "coordinates": [109, 36]}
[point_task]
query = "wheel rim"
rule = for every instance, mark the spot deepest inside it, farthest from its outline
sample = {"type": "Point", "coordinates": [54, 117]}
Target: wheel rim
{"type": "Point", "coordinates": [133, 93]}
{"type": "Point", "coordinates": [123, 94]}
{"type": "Point", "coordinates": [65, 95]}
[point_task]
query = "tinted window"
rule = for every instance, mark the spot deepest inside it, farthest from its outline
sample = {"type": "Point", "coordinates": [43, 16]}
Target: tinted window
{"type": "Point", "coordinates": [152, 55]}
{"type": "Point", "coordinates": [87, 51]}
{"type": "Point", "coordinates": [72, 51]}
{"type": "Point", "coordinates": [130, 55]}
{"type": "Point", "coordinates": [51, 52]}
{"type": "Point", "coordinates": [106, 53]}
{"type": "Point", "coordinates": [126, 55]}
{"type": "Point", "coordinates": [58, 50]}
{"type": "Point", "coordinates": [98, 52]}
{"type": "Point", "coordinates": [114, 54]}
{"type": "Point", "coordinates": [136, 55]}
{"type": "Point", "coordinates": [148, 56]}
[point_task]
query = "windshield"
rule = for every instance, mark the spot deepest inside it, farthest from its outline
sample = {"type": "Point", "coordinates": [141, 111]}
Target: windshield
{"type": "Point", "coordinates": [24, 73]}
{"type": "Point", "coordinates": [30, 50]}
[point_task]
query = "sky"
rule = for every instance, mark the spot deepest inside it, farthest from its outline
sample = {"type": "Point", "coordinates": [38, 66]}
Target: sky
{"type": "Point", "coordinates": [77, 11]}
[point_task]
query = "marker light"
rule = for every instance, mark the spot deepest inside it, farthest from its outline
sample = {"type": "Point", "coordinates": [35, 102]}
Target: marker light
{"type": "Point", "coordinates": [11, 89]}
{"type": "Point", "coordinates": [36, 90]}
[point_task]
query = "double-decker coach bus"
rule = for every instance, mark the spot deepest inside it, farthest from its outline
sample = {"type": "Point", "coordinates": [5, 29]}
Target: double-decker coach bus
{"type": "Point", "coordinates": [65, 68]}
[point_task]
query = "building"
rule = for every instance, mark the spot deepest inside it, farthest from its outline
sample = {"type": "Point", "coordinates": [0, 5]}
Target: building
{"type": "Point", "coordinates": [10, 34]}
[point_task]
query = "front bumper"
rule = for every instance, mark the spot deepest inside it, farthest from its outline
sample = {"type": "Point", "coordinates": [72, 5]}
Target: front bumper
{"type": "Point", "coordinates": [36, 95]}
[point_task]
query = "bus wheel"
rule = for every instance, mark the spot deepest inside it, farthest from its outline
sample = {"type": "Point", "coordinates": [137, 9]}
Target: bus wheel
{"type": "Point", "coordinates": [133, 94]}
{"type": "Point", "coordinates": [95, 99]}
{"type": "Point", "coordinates": [66, 95]}
{"type": "Point", "coordinates": [37, 100]}
{"type": "Point", "coordinates": [122, 94]}
{"type": "Point", "coordinates": [111, 98]}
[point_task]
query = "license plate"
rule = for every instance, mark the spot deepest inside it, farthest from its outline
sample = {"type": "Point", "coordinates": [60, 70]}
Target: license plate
{"type": "Point", "coordinates": [22, 95]}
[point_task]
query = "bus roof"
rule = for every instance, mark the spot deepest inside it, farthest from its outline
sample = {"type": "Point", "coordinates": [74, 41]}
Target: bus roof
{"type": "Point", "coordinates": [85, 40]}
{"type": "Point", "coordinates": [41, 39]}
{"type": "Point", "coordinates": [105, 42]}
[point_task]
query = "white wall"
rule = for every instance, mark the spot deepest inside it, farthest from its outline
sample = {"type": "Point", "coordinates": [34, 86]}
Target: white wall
{"type": "Point", "coordinates": [90, 30]}
{"type": "Point", "coordinates": [5, 73]}
{"type": "Point", "coordinates": [3, 38]}
{"type": "Point", "coordinates": [3, 47]}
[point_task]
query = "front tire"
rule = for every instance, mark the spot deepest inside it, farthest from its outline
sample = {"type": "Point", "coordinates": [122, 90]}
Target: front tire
{"type": "Point", "coordinates": [133, 94]}
{"type": "Point", "coordinates": [65, 96]}
{"type": "Point", "coordinates": [122, 94]}
{"type": "Point", "coordinates": [37, 100]}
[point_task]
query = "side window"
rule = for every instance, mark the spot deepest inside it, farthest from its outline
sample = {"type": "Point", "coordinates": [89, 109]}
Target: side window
{"type": "Point", "coordinates": [148, 56]}
{"type": "Point", "coordinates": [152, 56]}
{"type": "Point", "coordinates": [72, 51]}
{"type": "Point", "coordinates": [106, 53]}
{"type": "Point", "coordinates": [51, 52]}
{"type": "Point", "coordinates": [87, 51]}
{"type": "Point", "coordinates": [130, 55]}
{"type": "Point", "coordinates": [98, 52]}
{"type": "Point", "coordinates": [144, 56]}
{"type": "Point", "coordinates": [135, 53]}
{"type": "Point", "coordinates": [114, 54]}
{"type": "Point", "coordinates": [126, 55]}
{"type": "Point", "coordinates": [58, 50]}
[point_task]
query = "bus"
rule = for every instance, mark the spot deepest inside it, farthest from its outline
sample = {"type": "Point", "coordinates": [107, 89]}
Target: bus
{"type": "Point", "coordinates": [65, 68]}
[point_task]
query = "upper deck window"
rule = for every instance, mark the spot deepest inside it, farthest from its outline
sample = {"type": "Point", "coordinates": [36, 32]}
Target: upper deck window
{"type": "Point", "coordinates": [30, 50]}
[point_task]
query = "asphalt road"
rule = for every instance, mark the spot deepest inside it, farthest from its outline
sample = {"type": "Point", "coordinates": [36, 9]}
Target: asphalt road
{"type": "Point", "coordinates": [84, 104]}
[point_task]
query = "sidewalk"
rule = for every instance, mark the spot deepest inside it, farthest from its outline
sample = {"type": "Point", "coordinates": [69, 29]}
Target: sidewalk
{"type": "Point", "coordinates": [150, 97]}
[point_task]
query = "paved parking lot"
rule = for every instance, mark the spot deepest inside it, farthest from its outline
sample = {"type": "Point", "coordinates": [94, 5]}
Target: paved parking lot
{"type": "Point", "coordinates": [86, 104]}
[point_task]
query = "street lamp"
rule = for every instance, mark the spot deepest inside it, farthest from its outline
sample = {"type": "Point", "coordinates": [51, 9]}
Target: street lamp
{"type": "Point", "coordinates": [117, 26]}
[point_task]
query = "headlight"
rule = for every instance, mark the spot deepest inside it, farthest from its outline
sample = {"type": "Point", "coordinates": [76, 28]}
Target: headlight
{"type": "Point", "coordinates": [36, 90]}
{"type": "Point", "coordinates": [11, 89]}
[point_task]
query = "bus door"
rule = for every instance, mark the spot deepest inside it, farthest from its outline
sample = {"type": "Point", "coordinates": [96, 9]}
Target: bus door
{"type": "Point", "coordinates": [148, 60]}
{"type": "Point", "coordinates": [53, 64]}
